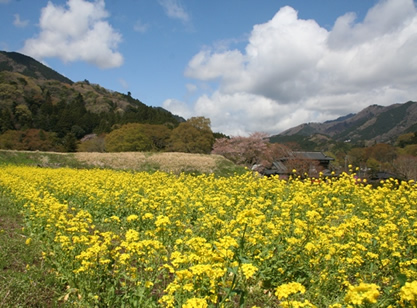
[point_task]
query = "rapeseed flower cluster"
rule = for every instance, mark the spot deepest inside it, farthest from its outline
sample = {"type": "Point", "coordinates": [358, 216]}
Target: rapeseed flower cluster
{"type": "Point", "coordinates": [408, 294]}
{"type": "Point", "coordinates": [119, 238]}
{"type": "Point", "coordinates": [285, 290]}
{"type": "Point", "coordinates": [363, 293]}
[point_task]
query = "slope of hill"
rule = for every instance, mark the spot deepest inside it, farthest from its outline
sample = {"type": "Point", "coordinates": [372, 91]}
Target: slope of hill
{"type": "Point", "coordinates": [35, 96]}
{"type": "Point", "coordinates": [19, 63]}
{"type": "Point", "coordinates": [373, 124]}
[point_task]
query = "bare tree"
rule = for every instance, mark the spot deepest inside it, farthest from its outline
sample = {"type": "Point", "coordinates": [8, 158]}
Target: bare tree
{"type": "Point", "coordinates": [406, 167]}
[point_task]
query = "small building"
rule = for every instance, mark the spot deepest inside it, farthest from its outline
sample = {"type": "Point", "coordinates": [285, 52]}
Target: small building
{"type": "Point", "coordinates": [311, 163]}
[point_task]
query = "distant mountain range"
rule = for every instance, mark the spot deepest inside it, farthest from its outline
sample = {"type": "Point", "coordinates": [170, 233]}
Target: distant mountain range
{"type": "Point", "coordinates": [33, 95]}
{"type": "Point", "coordinates": [374, 124]}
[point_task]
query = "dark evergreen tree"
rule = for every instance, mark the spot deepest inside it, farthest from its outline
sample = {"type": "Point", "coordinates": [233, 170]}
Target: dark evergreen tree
{"type": "Point", "coordinates": [70, 143]}
{"type": "Point", "coordinates": [6, 120]}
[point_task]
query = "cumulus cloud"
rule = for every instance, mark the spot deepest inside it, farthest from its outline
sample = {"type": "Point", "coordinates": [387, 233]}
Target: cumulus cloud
{"type": "Point", "coordinates": [177, 107]}
{"type": "Point", "coordinates": [293, 70]}
{"type": "Point", "coordinates": [18, 22]}
{"type": "Point", "coordinates": [76, 32]}
{"type": "Point", "coordinates": [174, 9]}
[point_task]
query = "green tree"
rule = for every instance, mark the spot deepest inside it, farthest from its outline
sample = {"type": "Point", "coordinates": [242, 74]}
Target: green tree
{"type": "Point", "coordinates": [192, 136]}
{"type": "Point", "coordinates": [9, 140]}
{"type": "Point", "coordinates": [70, 143]}
{"type": "Point", "coordinates": [374, 166]}
{"type": "Point", "coordinates": [357, 157]}
{"type": "Point", "coordinates": [158, 134]}
{"type": "Point", "coordinates": [6, 120]}
{"type": "Point", "coordinates": [382, 152]}
{"type": "Point", "coordinates": [129, 137]}
{"type": "Point", "coordinates": [410, 149]}
{"type": "Point", "coordinates": [23, 116]}
{"type": "Point", "coordinates": [405, 139]}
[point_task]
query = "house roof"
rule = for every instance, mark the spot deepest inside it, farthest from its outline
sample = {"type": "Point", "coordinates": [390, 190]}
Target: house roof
{"type": "Point", "coordinates": [279, 166]}
{"type": "Point", "coordinates": [312, 155]}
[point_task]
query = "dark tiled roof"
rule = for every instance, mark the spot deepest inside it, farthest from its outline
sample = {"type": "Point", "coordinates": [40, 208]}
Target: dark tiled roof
{"type": "Point", "coordinates": [312, 155]}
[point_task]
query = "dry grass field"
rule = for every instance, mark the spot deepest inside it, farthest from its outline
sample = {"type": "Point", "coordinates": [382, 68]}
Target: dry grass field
{"type": "Point", "coordinates": [168, 162]}
{"type": "Point", "coordinates": [138, 161]}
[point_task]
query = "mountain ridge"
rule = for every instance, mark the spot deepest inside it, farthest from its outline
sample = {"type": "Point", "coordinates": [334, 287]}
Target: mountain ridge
{"type": "Point", "coordinates": [373, 124]}
{"type": "Point", "coordinates": [42, 110]}
{"type": "Point", "coordinates": [25, 81]}
{"type": "Point", "coordinates": [20, 63]}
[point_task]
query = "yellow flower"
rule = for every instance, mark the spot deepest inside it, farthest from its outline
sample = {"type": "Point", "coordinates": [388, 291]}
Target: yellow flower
{"type": "Point", "coordinates": [132, 235]}
{"type": "Point", "coordinates": [195, 303]}
{"type": "Point", "coordinates": [285, 290]}
{"type": "Point", "coordinates": [147, 216]}
{"type": "Point", "coordinates": [408, 292]}
{"type": "Point", "coordinates": [249, 270]}
{"type": "Point", "coordinates": [162, 221]}
{"type": "Point", "coordinates": [132, 217]}
{"type": "Point", "coordinates": [363, 293]}
{"type": "Point", "coordinates": [115, 218]}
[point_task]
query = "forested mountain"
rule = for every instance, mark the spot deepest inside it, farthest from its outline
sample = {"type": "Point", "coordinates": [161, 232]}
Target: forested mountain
{"type": "Point", "coordinates": [33, 96]}
{"type": "Point", "coordinates": [374, 124]}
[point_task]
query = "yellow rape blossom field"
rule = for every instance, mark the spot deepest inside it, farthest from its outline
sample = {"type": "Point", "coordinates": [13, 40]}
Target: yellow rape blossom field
{"type": "Point", "coordinates": [136, 239]}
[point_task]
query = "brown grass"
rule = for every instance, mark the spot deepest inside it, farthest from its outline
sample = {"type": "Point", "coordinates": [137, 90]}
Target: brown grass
{"type": "Point", "coordinates": [124, 160]}
{"type": "Point", "coordinates": [168, 162]}
{"type": "Point", "coordinates": [138, 161]}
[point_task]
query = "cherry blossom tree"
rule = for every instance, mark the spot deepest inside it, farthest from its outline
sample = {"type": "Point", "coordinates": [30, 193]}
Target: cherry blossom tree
{"type": "Point", "coordinates": [255, 150]}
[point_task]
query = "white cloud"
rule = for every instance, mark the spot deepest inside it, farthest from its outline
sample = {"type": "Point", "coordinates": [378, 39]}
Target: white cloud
{"type": "Point", "coordinates": [294, 71]}
{"type": "Point", "coordinates": [174, 9]}
{"type": "Point", "coordinates": [77, 31]}
{"type": "Point", "coordinates": [4, 1]}
{"type": "Point", "coordinates": [140, 27]}
{"type": "Point", "coordinates": [239, 113]}
{"type": "Point", "coordinates": [18, 22]}
{"type": "Point", "coordinates": [191, 88]}
{"type": "Point", "coordinates": [177, 107]}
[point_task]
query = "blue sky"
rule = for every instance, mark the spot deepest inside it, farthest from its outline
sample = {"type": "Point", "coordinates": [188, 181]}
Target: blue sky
{"type": "Point", "coordinates": [264, 65]}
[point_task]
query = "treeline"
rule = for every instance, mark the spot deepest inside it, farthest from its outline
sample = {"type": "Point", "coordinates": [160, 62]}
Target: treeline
{"type": "Point", "coordinates": [398, 160]}
{"type": "Point", "coordinates": [72, 116]}
{"type": "Point", "coordinates": [192, 136]}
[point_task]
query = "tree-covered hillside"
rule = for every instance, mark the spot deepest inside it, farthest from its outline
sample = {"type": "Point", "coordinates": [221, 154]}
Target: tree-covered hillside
{"type": "Point", "coordinates": [78, 109]}
{"type": "Point", "coordinates": [43, 110]}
